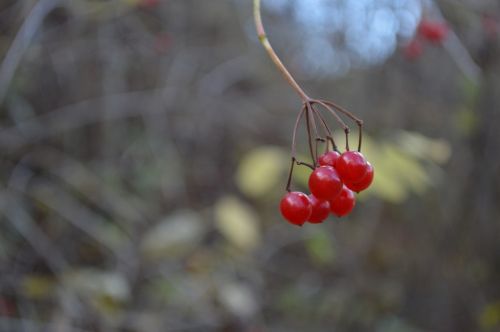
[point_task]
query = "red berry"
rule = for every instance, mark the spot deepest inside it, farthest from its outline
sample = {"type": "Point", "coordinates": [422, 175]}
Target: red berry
{"type": "Point", "coordinates": [320, 210]}
{"type": "Point", "coordinates": [413, 49]}
{"type": "Point", "coordinates": [351, 166]}
{"type": "Point", "coordinates": [364, 183]}
{"type": "Point", "coordinates": [329, 158]}
{"type": "Point", "coordinates": [344, 203]}
{"type": "Point", "coordinates": [433, 31]}
{"type": "Point", "coordinates": [325, 183]}
{"type": "Point", "coordinates": [296, 207]}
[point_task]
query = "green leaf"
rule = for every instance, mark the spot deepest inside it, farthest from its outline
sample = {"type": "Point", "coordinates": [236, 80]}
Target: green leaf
{"type": "Point", "coordinates": [37, 287]}
{"type": "Point", "coordinates": [406, 169]}
{"type": "Point", "coordinates": [466, 121]}
{"type": "Point", "coordinates": [320, 248]}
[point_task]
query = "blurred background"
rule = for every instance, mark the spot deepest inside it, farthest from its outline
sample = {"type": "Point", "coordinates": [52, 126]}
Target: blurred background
{"type": "Point", "coordinates": [144, 147]}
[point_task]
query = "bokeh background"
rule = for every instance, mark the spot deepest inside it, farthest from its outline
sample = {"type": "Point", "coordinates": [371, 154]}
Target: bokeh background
{"type": "Point", "coordinates": [144, 147]}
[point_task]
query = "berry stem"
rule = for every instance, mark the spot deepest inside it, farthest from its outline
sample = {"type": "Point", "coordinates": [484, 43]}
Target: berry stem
{"type": "Point", "coordinates": [319, 139]}
{"type": "Point", "coordinates": [309, 134]}
{"type": "Point", "coordinates": [261, 33]}
{"type": "Point", "coordinates": [328, 132]}
{"type": "Point", "coordinates": [289, 181]}
{"type": "Point", "coordinates": [296, 126]}
{"type": "Point", "coordinates": [351, 116]}
{"type": "Point", "coordinates": [330, 109]}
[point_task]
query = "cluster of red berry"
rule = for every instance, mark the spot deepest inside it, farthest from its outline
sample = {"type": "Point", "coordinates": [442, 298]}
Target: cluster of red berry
{"type": "Point", "coordinates": [334, 176]}
{"type": "Point", "coordinates": [332, 186]}
{"type": "Point", "coordinates": [434, 32]}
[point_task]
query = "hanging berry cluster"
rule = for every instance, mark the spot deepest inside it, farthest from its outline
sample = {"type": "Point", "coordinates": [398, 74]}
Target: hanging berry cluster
{"type": "Point", "coordinates": [335, 177]}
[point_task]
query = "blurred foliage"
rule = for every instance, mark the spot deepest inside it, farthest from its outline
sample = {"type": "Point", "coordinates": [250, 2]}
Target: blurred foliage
{"type": "Point", "coordinates": [237, 222]}
{"type": "Point", "coordinates": [320, 248]}
{"type": "Point", "coordinates": [260, 170]}
{"type": "Point", "coordinates": [174, 235]}
{"type": "Point", "coordinates": [144, 148]}
{"type": "Point", "coordinates": [489, 318]}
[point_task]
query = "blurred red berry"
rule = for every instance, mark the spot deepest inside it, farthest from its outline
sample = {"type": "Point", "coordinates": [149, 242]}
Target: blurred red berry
{"type": "Point", "coordinates": [351, 166]}
{"type": "Point", "coordinates": [490, 26]}
{"type": "Point", "coordinates": [7, 307]}
{"type": "Point", "coordinates": [413, 50]}
{"type": "Point", "coordinates": [344, 203]}
{"type": "Point", "coordinates": [433, 31]}
{"type": "Point", "coordinates": [364, 183]}
{"type": "Point", "coordinates": [325, 183]}
{"type": "Point", "coordinates": [296, 208]}
{"type": "Point", "coordinates": [162, 42]}
{"type": "Point", "coordinates": [320, 210]}
{"type": "Point", "coordinates": [329, 158]}
{"type": "Point", "coordinates": [148, 3]}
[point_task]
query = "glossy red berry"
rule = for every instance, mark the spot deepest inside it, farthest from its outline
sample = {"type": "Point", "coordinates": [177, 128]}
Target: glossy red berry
{"type": "Point", "coordinates": [296, 207]}
{"type": "Point", "coordinates": [329, 158]}
{"type": "Point", "coordinates": [363, 183]}
{"type": "Point", "coordinates": [320, 210]}
{"type": "Point", "coordinates": [325, 183]}
{"type": "Point", "coordinates": [344, 203]}
{"type": "Point", "coordinates": [413, 49]}
{"type": "Point", "coordinates": [433, 31]}
{"type": "Point", "coordinates": [351, 166]}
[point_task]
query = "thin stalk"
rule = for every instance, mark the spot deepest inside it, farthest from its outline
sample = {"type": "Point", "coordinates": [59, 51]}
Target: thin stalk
{"type": "Point", "coordinates": [339, 120]}
{"type": "Point", "coordinates": [311, 120]}
{"type": "Point", "coordinates": [295, 127]}
{"type": "Point", "coordinates": [261, 33]}
{"type": "Point", "coordinates": [328, 132]}
{"type": "Point", "coordinates": [309, 135]}
{"type": "Point", "coordinates": [322, 140]}
{"type": "Point", "coordinates": [289, 181]}
{"type": "Point", "coordinates": [358, 121]}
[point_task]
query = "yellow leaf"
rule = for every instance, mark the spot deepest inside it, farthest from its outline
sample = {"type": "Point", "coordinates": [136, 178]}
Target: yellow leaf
{"type": "Point", "coordinates": [406, 169]}
{"type": "Point", "coordinates": [237, 222]}
{"type": "Point", "coordinates": [490, 316]}
{"type": "Point", "coordinates": [386, 184]}
{"type": "Point", "coordinates": [422, 147]}
{"type": "Point", "coordinates": [37, 287]}
{"type": "Point", "coordinates": [261, 170]}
